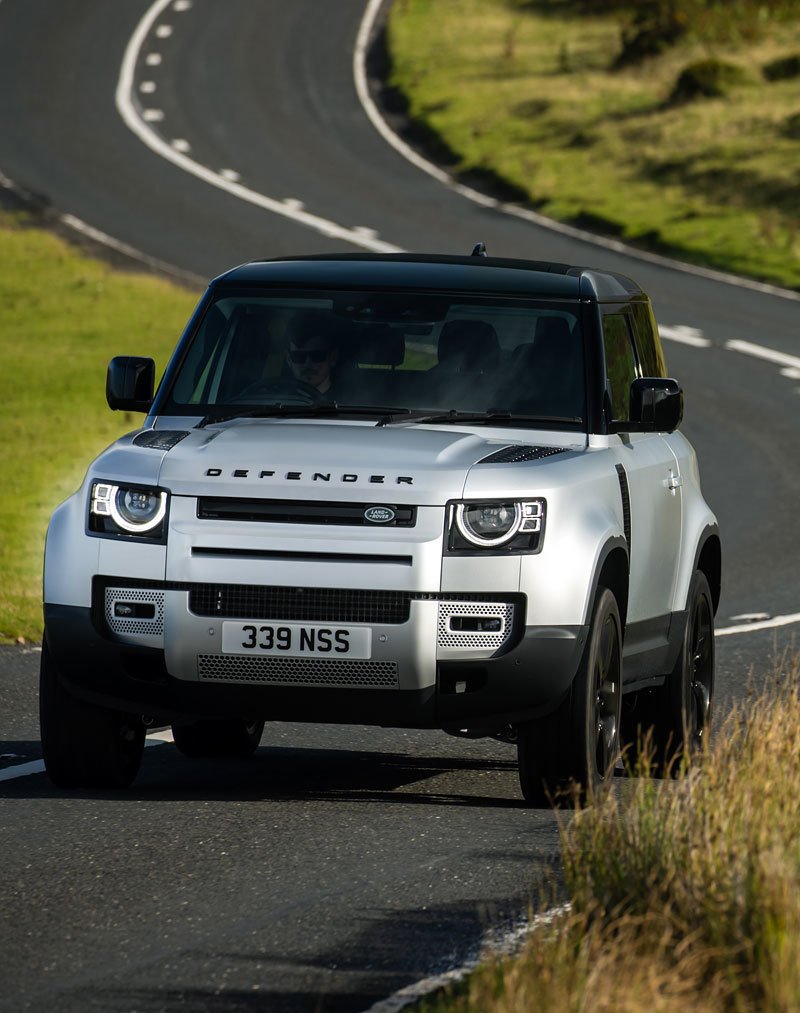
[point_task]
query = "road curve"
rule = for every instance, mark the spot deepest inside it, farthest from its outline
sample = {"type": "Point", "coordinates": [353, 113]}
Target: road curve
{"type": "Point", "coordinates": [342, 863]}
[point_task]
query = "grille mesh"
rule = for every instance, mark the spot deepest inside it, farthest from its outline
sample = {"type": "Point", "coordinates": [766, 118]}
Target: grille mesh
{"type": "Point", "coordinates": [151, 627]}
{"type": "Point", "coordinates": [328, 605]}
{"type": "Point", "coordinates": [475, 641]}
{"type": "Point", "coordinates": [297, 671]}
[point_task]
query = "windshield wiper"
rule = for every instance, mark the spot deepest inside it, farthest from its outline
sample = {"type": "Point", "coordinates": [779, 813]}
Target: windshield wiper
{"type": "Point", "coordinates": [282, 410]}
{"type": "Point", "coordinates": [495, 415]}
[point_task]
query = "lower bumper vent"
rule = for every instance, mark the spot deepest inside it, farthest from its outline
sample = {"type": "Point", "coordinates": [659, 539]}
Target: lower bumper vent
{"type": "Point", "coordinates": [297, 671]}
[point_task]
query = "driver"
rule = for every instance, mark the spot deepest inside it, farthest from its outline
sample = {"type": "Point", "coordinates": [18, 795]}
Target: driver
{"type": "Point", "coordinates": [313, 353]}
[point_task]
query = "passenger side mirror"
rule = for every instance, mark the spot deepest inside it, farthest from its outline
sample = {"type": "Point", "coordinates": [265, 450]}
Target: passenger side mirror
{"type": "Point", "coordinates": [130, 383]}
{"type": "Point", "coordinates": [656, 405]}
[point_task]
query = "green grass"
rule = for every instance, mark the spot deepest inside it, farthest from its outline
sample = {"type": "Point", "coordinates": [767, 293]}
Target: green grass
{"type": "Point", "coordinates": [62, 317]}
{"type": "Point", "coordinates": [523, 92]}
{"type": "Point", "coordinates": [685, 894]}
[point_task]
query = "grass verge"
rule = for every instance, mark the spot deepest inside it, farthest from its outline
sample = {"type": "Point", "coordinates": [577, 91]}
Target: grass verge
{"type": "Point", "coordinates": [525, 93]}
{"type": "Point", "coordinates": [62, 317]}
{"type": "Point", "coordinates": [684, 894]}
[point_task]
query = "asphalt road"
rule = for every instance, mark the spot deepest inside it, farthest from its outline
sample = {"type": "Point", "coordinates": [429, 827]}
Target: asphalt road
{"type": "Point", "coordinates": [340, 864]}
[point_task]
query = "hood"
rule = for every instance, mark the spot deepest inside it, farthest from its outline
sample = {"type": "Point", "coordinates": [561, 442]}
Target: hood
{"type": "Point", "coordinates": [306, 459]}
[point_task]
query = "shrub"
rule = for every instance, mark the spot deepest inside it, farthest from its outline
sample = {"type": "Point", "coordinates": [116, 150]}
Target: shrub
{"type": "Point", "coordinates": [707, 79]}
{"type": "Point", "coordinates": [783, 70]}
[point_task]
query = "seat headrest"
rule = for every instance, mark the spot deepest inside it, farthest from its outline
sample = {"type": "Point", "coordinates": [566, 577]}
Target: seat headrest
{"type": "Point", "coordinates": [380, 345]}
{"type": "Point", "coordinates": [469, 345]}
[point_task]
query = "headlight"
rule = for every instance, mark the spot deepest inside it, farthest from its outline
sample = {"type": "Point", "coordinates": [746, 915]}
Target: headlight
{"type": "Point", "coordinates": [514, 525]}
{"type": "Point", "coordinates": [123, 509]}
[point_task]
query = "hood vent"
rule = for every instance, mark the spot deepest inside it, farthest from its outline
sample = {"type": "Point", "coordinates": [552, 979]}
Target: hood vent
{"type": "Point", "coordinates": [159, 439]}
{"type": "Point", "coordinates": [519, 452]}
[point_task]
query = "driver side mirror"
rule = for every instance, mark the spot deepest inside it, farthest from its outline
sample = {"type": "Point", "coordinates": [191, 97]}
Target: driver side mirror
{"type": "Point", "coordinates": [130, 383]}
{"type": "Point", "coordinates": [656, 405]}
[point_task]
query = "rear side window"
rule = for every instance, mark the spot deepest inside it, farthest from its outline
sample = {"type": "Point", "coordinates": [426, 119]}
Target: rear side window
{"type": "Point", "coordinates": [621, 366]}
{"type": "Point", "coordinates": [648, 342]}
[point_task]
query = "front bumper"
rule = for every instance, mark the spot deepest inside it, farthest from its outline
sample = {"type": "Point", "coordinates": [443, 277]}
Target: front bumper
{"type": "Point", "coordinates": [168, 663]}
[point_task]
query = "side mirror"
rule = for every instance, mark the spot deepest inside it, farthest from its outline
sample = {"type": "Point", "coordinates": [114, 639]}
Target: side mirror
{"type": "Point", "coordinates": [656, 405]}
{"type": "Point", "coordinates": [130, 383]}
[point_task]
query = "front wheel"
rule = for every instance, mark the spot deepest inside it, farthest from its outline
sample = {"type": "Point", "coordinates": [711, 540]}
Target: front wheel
{"type": "Point", "coordinates": [218, 738]}
{"type": "Point", "coordinates": [85, 746]}
{"type": "Point", "coordinates": [577, 747]}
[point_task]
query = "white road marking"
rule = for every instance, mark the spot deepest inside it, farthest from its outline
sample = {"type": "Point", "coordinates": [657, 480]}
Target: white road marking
{"type": "Point", "coordinates": [138, 124]}
{"type": "Point", "coordinates": [230, 174]}
{"type": "Point", "coordinates": [685, 335]}
{"type": "Point", "coordinates": [767, 624]}
{"type": "Point", "coordinates": [180, 144]}
{"type": "Point", "coordinates": [153, 59]}
{"type": "Point", "coordinates": [362, 89]}
{"type": "Point", "coordinates": [153, 115]}
{"type": "Point", "coordinates": [147, 87]}
{"type": "Point", "coordinates": [750, 617]}
{"type": "Point", "coordinates": [499, 943]}
{"type": "Point", "coordinates": [767, 354]}
{"type": "Point", "coordinates": [293, 204]}
{"type": "Point", "coordinates": [182, 5]}
{"type": "Point", "coordinates": [37, 766]}
{"type": "Point", "coordinates": [163, 31]}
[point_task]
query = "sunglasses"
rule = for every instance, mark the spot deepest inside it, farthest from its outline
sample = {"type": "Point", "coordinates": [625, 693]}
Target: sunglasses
{"type": "Point", "coordinates": [312, 355]}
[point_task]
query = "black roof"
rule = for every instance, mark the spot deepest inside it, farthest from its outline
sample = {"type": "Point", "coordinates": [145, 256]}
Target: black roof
{"type": "Point", "coordinates": [435, 272]}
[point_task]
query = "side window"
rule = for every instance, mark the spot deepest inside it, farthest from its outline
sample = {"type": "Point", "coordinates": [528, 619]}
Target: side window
{"type": "Point", "coordinates": [648, 342]}
{"type": "Point", "coordinates": [621, 368]}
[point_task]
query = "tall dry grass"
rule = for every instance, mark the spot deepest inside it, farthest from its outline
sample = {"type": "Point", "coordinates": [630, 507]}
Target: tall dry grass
{"type": "Point", "coordinates": [685, 893]}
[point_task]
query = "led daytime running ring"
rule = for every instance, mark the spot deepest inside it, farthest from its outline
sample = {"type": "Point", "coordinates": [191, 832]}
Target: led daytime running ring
{"type": "Point", "coordinates": [470, 536]}
{"type": "Point", "coordinates": [104, 502]}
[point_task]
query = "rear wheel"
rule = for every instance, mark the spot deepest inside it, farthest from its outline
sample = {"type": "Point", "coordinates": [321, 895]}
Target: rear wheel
{"type": "Point", "coordinates": [670, 724]}
{"type": "Point", "coordinates": [577, 747]}
{"type": "Point", "coordinates": [85, 746]}
{"type": "Point", "coordinates": [231, 737]}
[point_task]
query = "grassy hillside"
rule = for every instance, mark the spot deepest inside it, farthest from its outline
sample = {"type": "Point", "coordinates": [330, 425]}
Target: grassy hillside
{"type": "Point", "coordinates": [681, 136]}
{"type": "Point", "coordinates": [62, 317]}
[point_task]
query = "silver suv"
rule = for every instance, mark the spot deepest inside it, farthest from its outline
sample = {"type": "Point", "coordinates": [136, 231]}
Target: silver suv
{"type": "Point", "coordinates": [413, 491]}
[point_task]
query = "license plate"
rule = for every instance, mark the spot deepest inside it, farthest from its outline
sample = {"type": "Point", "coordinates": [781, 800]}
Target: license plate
{"type": "Point", "coordinates": [292, 641]}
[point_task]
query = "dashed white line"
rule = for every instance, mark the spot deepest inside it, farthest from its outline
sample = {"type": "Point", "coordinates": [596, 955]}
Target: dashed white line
{"type": "Point", "coordinates": [163, 31]}
{"type": "Point", "coordinates": [153, 115]}
{"type": "Point", "coordinates": [766, 624]}
{"type": "Point", "coordinates": [147, 87]}
{"type": "Point", "coordinates": [153, 59]}
{"type": "Point", "coordinates": [230, 174]}
{"type": "Point", "coordinates": [767, 354]}
{"type": "Point", "coordinates": [685, 335]}
{"type": "Point", "coordinates": [180, 144]}
{"type": "Point", "coordinates": [182, 5]}
{"type": "Point", "coordinates": [139, 125]}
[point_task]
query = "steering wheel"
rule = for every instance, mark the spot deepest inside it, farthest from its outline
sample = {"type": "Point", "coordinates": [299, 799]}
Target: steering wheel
{"type": "Point", "coordinates": [286, 391]}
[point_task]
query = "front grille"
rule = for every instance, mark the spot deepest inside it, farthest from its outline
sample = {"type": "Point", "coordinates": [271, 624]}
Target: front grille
{"type": "Point", "coordinates": [278, 511]}
{"type": "Point", "coordinates": [519, 452]}
{"type": "Point", "coordinates": [302, 604]}
{"type": "Point", "coordinates": [297, 671]}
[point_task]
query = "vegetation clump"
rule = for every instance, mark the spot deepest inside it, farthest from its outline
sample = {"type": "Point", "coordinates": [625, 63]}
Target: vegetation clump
{"type": "Point", "coordinates": [684, 894]}
{"type": "Point", "coordinates": [707, 79]}
{"type": "Point", "coordinates": [784, 69]}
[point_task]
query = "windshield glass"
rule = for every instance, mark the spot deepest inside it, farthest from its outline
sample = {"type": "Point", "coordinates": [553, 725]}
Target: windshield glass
{"type": "Point", "coordinates": [395, 352]}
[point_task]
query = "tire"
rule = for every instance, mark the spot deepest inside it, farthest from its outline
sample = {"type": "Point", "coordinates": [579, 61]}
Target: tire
{"type": "Point", "coordinates": [575, 750]}
{"type": "Point", "coordinates": [234, 737]}
{"type": "Point", "coordinates": [85, 746]}
{"type": "Point", "coordinates": [669, 725]}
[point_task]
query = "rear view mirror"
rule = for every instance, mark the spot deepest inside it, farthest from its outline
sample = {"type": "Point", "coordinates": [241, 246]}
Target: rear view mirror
{"type": "Point", "coordinates": [130, 382]}
{"type": "Point", "coordinates": [656, 405]}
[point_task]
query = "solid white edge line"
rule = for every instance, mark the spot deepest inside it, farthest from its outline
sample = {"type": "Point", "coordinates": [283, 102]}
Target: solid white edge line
{"type": "Point", "coordinates": [504, 943]}
{"type": "Point", "coordinates": [383, 128]}
{"type": "Point", "coordinates": [127, 107]}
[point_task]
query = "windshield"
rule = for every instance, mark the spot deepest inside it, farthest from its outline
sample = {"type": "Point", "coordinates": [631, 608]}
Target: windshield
{"type": "Point", "coordinates": [393, 355]}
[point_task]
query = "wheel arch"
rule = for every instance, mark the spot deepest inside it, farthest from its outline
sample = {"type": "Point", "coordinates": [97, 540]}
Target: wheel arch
{"type": "Point", "coordinates": [613, 572]}
{"type": "Point", "coordinates": [708, 558]}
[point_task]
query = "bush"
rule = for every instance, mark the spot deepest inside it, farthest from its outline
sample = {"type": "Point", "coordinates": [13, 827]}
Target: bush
{"type": "Point", "coordinates": [783, 70]}
{"type": "Point", "coordinates": [707, 79]}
